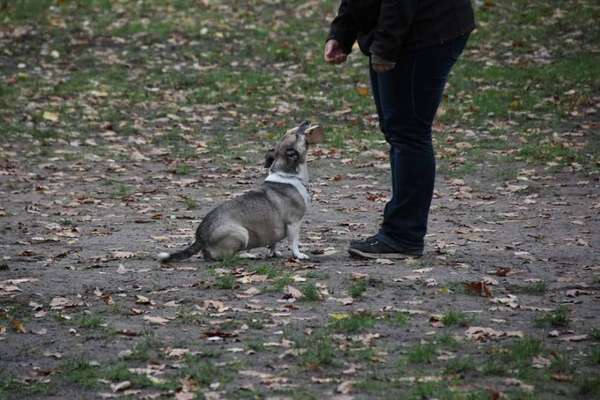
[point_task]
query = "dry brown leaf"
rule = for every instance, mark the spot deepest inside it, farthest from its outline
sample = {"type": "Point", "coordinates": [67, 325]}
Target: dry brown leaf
{"type": "Point", "coordinates": [293, 292]}
{"type": "Point", "coordinates": [479, 288]}
{"type": "Point", "coordinates": [18, 326]}
{"type": "Point", "coordinates": [345, 387]}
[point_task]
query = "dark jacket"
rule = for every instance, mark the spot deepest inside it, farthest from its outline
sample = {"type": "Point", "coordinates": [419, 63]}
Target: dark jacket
{"type": "Point", "coordinates": [388, 27]}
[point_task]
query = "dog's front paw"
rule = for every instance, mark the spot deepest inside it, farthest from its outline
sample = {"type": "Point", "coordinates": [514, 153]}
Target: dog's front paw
{"type": "Point", "coordinates": [301, 256]}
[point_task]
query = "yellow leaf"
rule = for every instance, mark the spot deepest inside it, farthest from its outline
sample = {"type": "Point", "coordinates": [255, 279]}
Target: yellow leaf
{"type": "Point", "coordinates": [50, 116]}
{"type": "Point", "coordinates": [18, 326]}
{"type": "Point", "coordinates": [339, 316]}
{"type": "Point", "coordinates": [362, 90]}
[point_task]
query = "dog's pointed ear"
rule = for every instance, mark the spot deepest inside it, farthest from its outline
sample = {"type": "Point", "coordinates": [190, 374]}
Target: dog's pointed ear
{"type": "Point", "coordinates": [269, 158]}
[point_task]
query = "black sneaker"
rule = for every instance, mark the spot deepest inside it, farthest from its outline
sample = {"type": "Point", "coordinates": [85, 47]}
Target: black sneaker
{"type": "Point", "coordinates": [372, 248]}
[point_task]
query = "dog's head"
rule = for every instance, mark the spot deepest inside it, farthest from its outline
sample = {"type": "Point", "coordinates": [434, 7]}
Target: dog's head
{"type": "Point", "coordinates": [290, 152]}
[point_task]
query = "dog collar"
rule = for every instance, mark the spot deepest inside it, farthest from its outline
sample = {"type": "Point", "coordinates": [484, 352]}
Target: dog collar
{"type": "Point", "coordinates": [291, 180]}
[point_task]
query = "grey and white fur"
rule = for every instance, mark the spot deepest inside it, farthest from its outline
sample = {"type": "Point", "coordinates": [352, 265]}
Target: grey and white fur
{"type": "Point", "coordinates": [261, 217]}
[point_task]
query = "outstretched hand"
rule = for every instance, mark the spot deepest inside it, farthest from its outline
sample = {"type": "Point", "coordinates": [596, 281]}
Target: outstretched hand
{"type": "Point", "coordinates": [334, 54]}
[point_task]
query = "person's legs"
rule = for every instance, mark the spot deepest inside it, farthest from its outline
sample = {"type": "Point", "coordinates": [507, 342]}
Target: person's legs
{"type": "Point", "coordinates": [407, 98]}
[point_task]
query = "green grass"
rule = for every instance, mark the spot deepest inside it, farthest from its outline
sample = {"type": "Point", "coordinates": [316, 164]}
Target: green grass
{"type": "Point", "coordinates": [594, 356]}
{"type": "Point", "coordinates": [557, 318]}
{"type": "Point", "coordinates": [459, 366]}
{"type": "Point", "coordinates": [310, 292]}
{"type": "Point", "coordinates": [456, 318]}
{"type": "Point", "coordinates": [422, 353]}
{"type": "Point", "coordinates": [319, 349]}
{"type": "Point", "coordinates": [398, 318]}
{"type": "Point", "coordinates": [358, 288]}
{"type": "Point", "coordinates": [225, 282]}
{"type": "Point", "coordinates": [269, 270]}
{"type": "Point", "coordinates": [190, 203]}
{"type": "Point", "coordinates": [352, 323]}
{"type": "Point", "coordinates": [13, 388]}
{"type": "Point", "coordinates": [80, 372]}
{"type": "Point", "coordinates": [534, 289]}
{"type": "Point", "coordinates": [588, 386]}
{"type": "Point", "coordinates": [205, 371]}
{"type": "Point", "coordinates": [279, 284]}
{"type": "Point", "coordinates": [146, 349]}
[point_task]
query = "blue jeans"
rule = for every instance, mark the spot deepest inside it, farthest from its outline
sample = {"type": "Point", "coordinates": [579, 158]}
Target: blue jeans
{"type": "Point", "coordinates": [407, 98]}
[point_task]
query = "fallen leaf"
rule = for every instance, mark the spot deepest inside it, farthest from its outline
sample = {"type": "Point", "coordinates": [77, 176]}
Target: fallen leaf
{"type": "Point", "coordinates": [345, 387]}
{"type": "Point", "coordinates": [293, 292]}
{"type": "Point", "coordinates": [574, 338]}
{"type": "Point", "coordinates": [479, 288]}
{"type": "Point", "coordinates": [117, 387]}
{"type": "Point", "coordinates": [50, 116]}
{"type": "Point", "coordinates": [155, 320]}
{"type": "Point", "coordinates": [18, 326]}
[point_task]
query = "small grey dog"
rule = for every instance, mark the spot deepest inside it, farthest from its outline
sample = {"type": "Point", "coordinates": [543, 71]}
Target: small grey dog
{"type": "Point", "coordinates": [261, 217]}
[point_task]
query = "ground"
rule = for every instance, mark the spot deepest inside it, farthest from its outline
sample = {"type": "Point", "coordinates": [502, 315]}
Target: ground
{"type": "Point", "coordinates": [122, 123]}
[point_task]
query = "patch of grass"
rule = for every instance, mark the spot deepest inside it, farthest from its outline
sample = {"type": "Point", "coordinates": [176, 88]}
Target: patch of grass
{"type": "Point", "coordinates": [120, 372]}
{"type": "Point", "coordinates": [189, 316]}
{"type": "Point", "coordinates": [456, 318]}
{"type": "Point", "coordinates": [525, 348]}
{"type": "Point", "coordinates": [352, 323]}
{"type": "Point", "coordinates": [595, 334]}
{"type": "Point", "coordinates": [459, 366]}
{"type": "Point", "coordinates": [320, 275]}
{"type": "Point", "coordinates": [121, 190]}
{"type": "Point", "coordinates": [535, 288]}
{"type": "Point", "coordinates": [256, 345]}
{"type": "Point", "coordinates": [190, 203]}
{"type": "Point", "coordinates": [148, 348]}
{"type": "Point", "coordinates": [182, 169]}
{"type": "Point", "coordinates": [22, 10]}
{"type": "Point", "coordinates": [448, 341]}
{"type": "Point", "coordinates": [595, 355]}
{"type": "Point", "coordinates": [291, 394]}
{"type": "Point", "coordinates": [544, 152]}
{"type": "Point", "coordinates": [588, 386]}
{"type": "Point", "coordinates": [266, 269]}
{"type": "Point", "coordinates": [225, 282]}
{"type": "Point", "coordinates": [556, 318]}
{"type": "Point", "coordinates": [205, 371]}
{"type": "Point", "coordinates": [358, 288]}
{"type": "Point", "coordinates": [12, 388]}
{"type": "Point", "coordinates": [442, 391]}
{"type": "Point", "coordinates": [227, 262]}
{"type": "Point", "coordinates": [422, 353]}
{"type": "Point", "coordinates": [319, 349]}
{"type": "Point", "coordinates": [397, 318]}
{"type": "Point", "coordinates": [310, 292]}
{"type": "Point", "coordinates": [86, 321]}
{"type": "Point", "coordinates": [362, 354]}
{"type": "Point", "coordinates": [561, 364]}
{"type": "Point", "coordinates": [375, 384]}
{"type": "Point", "coordinates": [279, 284]}
{"type": "Point", "coordinates": [80, 372]}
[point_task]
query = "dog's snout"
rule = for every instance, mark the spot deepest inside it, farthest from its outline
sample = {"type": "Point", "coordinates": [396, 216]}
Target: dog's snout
{"type": "Point", "coordinates": [302, 127]}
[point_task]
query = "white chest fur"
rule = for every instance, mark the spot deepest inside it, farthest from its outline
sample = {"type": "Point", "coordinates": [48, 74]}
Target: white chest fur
{"type": "Point", "coordinates": [293, 180]}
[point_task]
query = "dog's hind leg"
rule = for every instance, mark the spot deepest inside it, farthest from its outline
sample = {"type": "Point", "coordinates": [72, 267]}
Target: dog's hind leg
{"type": "Point", "coordinates": [227, 243]}
{"type": "Point", "coordinates": [293, 236]}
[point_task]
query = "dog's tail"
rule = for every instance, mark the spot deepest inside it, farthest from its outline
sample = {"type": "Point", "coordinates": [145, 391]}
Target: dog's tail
{"type": "Point", "coordinates": [194, 248]}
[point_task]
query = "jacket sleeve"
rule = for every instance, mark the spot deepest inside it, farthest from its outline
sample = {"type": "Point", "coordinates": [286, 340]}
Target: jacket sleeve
{"type": "Point", "coordinates": [395, 18]}
{"type": "Point", "coordinates": [343, 28]}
